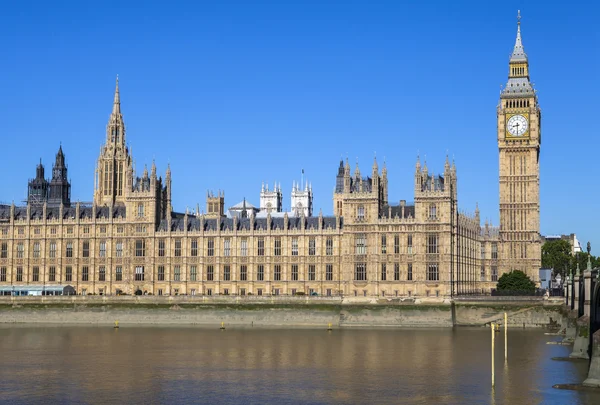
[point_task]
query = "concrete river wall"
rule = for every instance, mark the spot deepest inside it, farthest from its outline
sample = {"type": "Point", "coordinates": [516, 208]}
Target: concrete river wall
{"type": "Point", "coordinates": [276, 311]}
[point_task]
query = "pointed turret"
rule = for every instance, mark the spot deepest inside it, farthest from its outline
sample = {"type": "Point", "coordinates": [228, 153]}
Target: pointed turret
{"type": "Point", "coordinates": [116, 111]}
{"type": "Point", "coordinates": [518, 73]}
{"type": "Point", "coordinates": [39, 171]}
{"type": "Point", "coordinates": [167, 197]}
{"type": "Point", "coordinates": [113, 180]}
{"type": "Point", "coordinates": [384, 184]}
{"type": "Point", "coordinates": [375, 178]}
{"type": "Point", "coordinates": [244, 211]}
{"type": "Point", "coordinates": [37, 191]}
{"type": "Point", "coordinates": [60, 157]}
{"type": "Point", "coordinates": [115, 133]}
{"type": "Point", "coordinates": [518, 54]}
{"type": "Point", "coordinates": [60, 188]}
{"type": "Point", "coordinates": [153, 170]}
{"type": "Point", "coordinates": [357, 171]}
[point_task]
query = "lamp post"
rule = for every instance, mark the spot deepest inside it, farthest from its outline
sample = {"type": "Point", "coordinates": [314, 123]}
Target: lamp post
{"type": "Point", "coordinates": [568, 279]}
{"type": "Point", "coordinates": [572, 291]}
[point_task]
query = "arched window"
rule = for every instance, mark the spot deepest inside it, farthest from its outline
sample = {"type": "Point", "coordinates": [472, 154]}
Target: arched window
{"type": "Point", "coordinates": [140, 210]}
{"type": "Point", "coordinates": [361, 213]}
{"type": "Point", "coordinates": [432, 211]}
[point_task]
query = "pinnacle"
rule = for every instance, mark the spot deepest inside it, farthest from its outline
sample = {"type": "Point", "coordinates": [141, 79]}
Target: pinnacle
{"type": "Point", "coordinates": [117, 100]}
{"type": "Point", "coordinates": [518, 54]}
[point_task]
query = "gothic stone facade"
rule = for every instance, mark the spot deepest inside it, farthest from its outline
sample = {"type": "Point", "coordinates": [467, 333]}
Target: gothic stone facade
{"type": "Point", "coordinates": [130, 240]}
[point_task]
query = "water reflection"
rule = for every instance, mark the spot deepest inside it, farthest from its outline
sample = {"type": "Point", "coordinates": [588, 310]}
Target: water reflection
{"type": "Point", "coordinates": [182, 365]}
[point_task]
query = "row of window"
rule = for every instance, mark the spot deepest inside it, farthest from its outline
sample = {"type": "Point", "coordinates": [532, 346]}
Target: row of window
{"type": "Point", "coordinates": [432, 244]}
{"type": "Point", "coordinates": [53, 230]}
{"type": "Point", "coordinates": [139, 274]}
{"type": "Point", "coordinates": [68, 275]}
{"type": "Point", "coordinates": [433, 273]}
{"type": "Point", "coordinates": [494, 247]}
{"type": "Point", "coordinates": [359, 275]}
{"type": "Point", "coordinates": [36, 253]}
{"type": "Point", "coordinates": [140, 247]}
{"type": "Point", "coordinates": [494, 275]}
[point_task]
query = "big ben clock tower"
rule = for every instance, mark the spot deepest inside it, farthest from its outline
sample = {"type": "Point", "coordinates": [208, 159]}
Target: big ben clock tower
{"type": "Point", "coordinates": [519, 140]}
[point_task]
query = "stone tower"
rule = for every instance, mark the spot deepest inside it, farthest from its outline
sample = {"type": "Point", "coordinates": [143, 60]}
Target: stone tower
{"type": "Point", "coordinates": [519, 140]}
{"type": "Point", "coordinates": [271, 200]}
{"type": "Point", "coordinates": [435, 195]}
{"type": "Point", "coordinates": [302, 198]}
{"type": "Point", "coordinates": [215, 204]}
{"type": "Point", "coordinates": [357, 198]}
{"type": "Point", "coordinates": [60, 188]}
{"type": "Point", "coordinates": [37, 189]}
{"type": "Point", "coordinates": [114, 172]}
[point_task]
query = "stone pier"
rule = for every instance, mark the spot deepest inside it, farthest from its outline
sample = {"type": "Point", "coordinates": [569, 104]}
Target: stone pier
{"type": "Point", "coordinates": [571, 328]}
{"type": "Point", "coordinates": [580, 346]}
{"type": "Point", "coordinates": [582, 324]}
{"type": "Point", "coordinates": [593, 379]}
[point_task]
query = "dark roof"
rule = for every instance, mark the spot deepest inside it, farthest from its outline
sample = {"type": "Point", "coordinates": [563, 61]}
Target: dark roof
{"type": "Point", "coordinates": [437, 182]}
{"type": "Point", "coordinates": [409, 211]}
{"type": "Point", "coordinates": [365, 185]}
{"type": "Point", "coordinates": [37, 212]}
{"type": "Point", "coordinates": [212, 224]}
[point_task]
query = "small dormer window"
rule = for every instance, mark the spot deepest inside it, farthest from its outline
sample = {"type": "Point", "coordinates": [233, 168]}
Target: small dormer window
{"type": "Point", "coordinates": [140, 210]}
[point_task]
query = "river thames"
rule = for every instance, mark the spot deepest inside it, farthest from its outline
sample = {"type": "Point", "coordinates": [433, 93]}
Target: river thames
{"type": "Point", "coordinates": [89, 365]}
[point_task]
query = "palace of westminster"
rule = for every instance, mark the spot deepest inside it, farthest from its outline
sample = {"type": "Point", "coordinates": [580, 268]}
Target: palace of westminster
{"type": "Point", "coordinates": [129, 240]}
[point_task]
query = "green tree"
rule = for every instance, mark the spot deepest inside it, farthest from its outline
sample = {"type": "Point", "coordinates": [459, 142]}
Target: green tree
{"type": "Point", "coordinates": [556, 254]}
{"type": "Point", "coordinates": [582, 259]}
{"type": "Point", "coordinates": [516, 280]}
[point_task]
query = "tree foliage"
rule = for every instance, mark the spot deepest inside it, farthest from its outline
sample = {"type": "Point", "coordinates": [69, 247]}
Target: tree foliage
{"type": "Point", "coordinates": [582, 259]}
{"type": "Point", "coordinates": [556, 254]}
{"type": "Point", "coordinates": [516, 280]}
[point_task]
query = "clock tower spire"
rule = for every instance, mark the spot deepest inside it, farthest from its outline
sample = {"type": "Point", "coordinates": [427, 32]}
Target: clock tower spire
{"type": "Point", "coordinates": [519, 140]}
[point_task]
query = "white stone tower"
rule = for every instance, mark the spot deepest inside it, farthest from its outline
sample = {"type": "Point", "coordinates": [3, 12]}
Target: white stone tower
{"type": "Point", "coordinates": [271, 200]}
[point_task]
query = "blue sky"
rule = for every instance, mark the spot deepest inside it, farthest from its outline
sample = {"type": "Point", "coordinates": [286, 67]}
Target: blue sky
{"type": "Point", "coordinates": [234, 94]}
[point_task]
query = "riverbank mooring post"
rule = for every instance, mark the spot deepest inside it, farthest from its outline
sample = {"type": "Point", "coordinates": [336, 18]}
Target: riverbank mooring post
{"type": "Point", "coordinates": [493, 337]}
{"type": "Point", "coordinates": [222, 326]}
{"type": "Point", "coordinates": [116, 324]}
{"type": "Point", "coordinates": [505, 337]}
{"type": "Point", "coordinates": [329, 327]}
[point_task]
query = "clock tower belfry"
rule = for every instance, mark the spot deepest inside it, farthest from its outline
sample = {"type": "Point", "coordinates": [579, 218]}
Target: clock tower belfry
{"type": "Point", "coordinates": [519, 140]}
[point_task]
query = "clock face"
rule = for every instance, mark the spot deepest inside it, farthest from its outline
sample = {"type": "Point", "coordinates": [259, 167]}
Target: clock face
{"type": "Point", "coordinates": [517, 125]}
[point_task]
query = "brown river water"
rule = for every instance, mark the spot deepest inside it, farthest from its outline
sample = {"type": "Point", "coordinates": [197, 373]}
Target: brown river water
{"type": "Point", "coordinates": [99, 365]}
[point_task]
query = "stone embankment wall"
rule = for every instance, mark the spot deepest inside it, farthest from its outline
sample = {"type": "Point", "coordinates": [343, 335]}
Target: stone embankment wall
{"type": "Point", "coordinates": [271, 311]}
{"type": "Point", "coordinates": [522, 314]}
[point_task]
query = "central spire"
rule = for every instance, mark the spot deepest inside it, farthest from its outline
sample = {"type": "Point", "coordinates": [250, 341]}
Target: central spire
{"type": "Point", "coordinates": [117, 102]}
{"type": "Point", "coordinates": [518, 54]}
